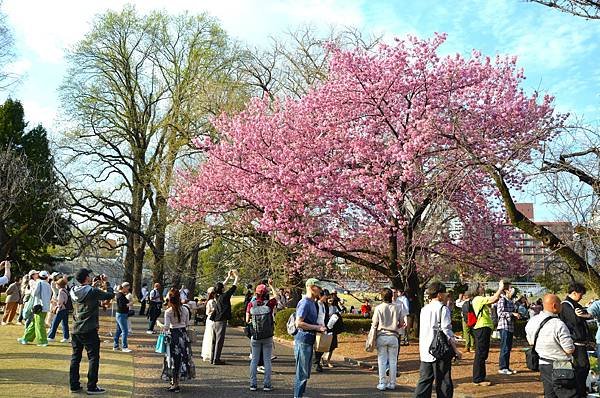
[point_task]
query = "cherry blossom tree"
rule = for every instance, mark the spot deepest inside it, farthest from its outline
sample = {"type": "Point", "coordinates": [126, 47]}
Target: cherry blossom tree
{"type": "Point", "coordinates": [383, 164]}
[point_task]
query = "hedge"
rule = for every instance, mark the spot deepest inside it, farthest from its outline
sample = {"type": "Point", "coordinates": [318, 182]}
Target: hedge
{"type": "Point", "coordinates": [238, 315]}
{"type": "Point", "coordinates": [281, 318]}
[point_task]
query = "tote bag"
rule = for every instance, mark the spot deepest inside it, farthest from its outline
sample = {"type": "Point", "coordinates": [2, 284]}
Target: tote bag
{"type": "Point", "coordinates": [161, 345]}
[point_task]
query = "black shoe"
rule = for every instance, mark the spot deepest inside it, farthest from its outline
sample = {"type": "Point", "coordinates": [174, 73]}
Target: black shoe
{"type": "Point", "coordinates": [96, 391]}
{"type": "Point", "coordinates": [219, 362]}
{"type": "Point", "coordinates": [319, 368]}
{"type": "Point", "coordinates": [77, 390]}
{"type": "Point", "coordinates": [173, 389]}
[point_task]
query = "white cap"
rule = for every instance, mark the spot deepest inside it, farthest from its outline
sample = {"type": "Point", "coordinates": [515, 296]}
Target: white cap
{"type": "Point", "coordinates": [43, 274]}
{"type": "Point", "coordinates": [125, 284]}
{"type": "Point", "coordinates": [54, 274]}
{"type": "Point", "coordinates": [33, 272]}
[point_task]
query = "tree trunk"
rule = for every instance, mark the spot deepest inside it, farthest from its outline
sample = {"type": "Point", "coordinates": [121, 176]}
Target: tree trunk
{"type": "Point", "coordinates": [576, 262]}
{"type": "Point", "coordinates": [129, 260]}
{"type": "Point", "coordinates": [193, 272]}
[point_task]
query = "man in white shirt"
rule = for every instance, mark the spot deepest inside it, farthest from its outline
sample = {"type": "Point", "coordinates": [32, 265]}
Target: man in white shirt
{"type": "Point", "coordinates": [434, 315]}
{"type": "Point", "coordinates": [554, 344]}
{"type": "Point", "coordinates": [402, 301]}
{"type": "Point", "coordinates": [144, 299]}
{"type": "Point", "coordinates": [6, 278]}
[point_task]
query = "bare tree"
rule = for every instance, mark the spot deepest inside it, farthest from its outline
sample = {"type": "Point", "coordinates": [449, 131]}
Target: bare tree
{"type": "Point", "coordinates": [589, 9]}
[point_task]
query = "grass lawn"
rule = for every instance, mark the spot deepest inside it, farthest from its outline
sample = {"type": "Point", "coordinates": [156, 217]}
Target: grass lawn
{"type": "Point", "coordinates": [31, 371]}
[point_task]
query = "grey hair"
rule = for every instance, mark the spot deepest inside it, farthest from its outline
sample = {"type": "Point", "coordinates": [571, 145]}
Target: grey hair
{"type": "Point", "coordinates": [473, 289]}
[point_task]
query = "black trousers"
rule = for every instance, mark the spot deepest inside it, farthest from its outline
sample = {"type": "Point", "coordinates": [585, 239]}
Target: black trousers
{"type": "Point", "coordinates": [482, 350]}
{"type": "Point", "coordinates": [91, 342]}
{"type": "Point", "coordinates": [219, 329]}
{"type": "Point", "coordinates": [555, 390]}
{"type": "Point", "coordinates": [438, 372]}
{"type": "Point", "coordinates": [143, 307]}
{"type": "Point", "coordinates": [581, 365]}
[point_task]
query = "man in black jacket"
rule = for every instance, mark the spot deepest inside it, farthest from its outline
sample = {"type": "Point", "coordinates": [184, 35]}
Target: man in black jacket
{"type": "Point", "coordinates": [574, 316]}
{"type": "Point", "coordinates": [86, 300]}
{"type": "Point", "coordinates": [221, 315]}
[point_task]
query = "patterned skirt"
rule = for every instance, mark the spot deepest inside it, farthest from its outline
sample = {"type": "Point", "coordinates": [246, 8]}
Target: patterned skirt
{"type": "Point", "coordinates": [179, 349]}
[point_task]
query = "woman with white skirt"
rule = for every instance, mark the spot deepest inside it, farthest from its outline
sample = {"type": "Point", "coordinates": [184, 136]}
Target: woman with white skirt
{"type": "Point", "coordinates": [208, 330]}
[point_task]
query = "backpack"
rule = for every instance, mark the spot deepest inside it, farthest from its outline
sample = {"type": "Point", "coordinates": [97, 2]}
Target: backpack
{"type": "Point", "coordinates": [69, 302]}
{"type": "Point", "coordinates": [292, 329]}
{"type": "Point", "coordinates": [261, 319]}
{"type": "Point", "coordinates": [471, 317]}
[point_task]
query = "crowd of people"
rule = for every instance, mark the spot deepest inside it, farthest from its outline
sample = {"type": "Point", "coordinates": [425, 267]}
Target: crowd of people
{"type": "Point", "coordinates": [557, 330]}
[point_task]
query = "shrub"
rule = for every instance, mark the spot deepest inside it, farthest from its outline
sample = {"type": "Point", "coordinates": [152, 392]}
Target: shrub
{"type": "Point", "coordinates": [238, 315]}
{"type": "Point", "coordinates": [356, 325]}
{"type": "Point", "coordinates": [281, 318]}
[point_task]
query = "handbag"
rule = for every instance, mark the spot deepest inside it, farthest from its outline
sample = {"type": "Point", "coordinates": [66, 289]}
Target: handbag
{"type": "Point", "coordinates": [440, 347]}
{"type": "Point", "coordinates": [371, 340]}
{"type": "Point", "coordinates": [161, 344]}
{"type": "Point", "coordinates": [563, 373]}
{"type": "Point", "coordinates": [37, 309]}
{"type": "Point", "coordinates": [532, 358]}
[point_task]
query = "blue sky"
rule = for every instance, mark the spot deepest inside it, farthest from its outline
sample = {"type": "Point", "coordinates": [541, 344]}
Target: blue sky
{"type": "Point", "coordinates": [560, 53]}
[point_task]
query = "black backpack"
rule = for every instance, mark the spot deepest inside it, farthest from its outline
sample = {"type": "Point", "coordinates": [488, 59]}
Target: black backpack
{"type": "Point", "coordinates": [261, 319]}
{"type": "Point", "coordinates": [69, 303]}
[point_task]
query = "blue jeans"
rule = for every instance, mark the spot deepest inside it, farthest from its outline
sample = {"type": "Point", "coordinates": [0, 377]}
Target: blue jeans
{"type": "Point", "coordinates": [62, 316]}
{"type": "Point", "coordinates": [303, 353]}
{"type": "Point", "coordinates": [506, 342]}
{"type": "Point", "coordinates": [122, 328]}
{"type": "Point", "coordinates": [266, 346]}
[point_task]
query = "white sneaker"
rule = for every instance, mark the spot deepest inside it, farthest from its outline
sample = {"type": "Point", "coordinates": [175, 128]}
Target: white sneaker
{"type": "Point", "coordinates": [43, 345]}
{"type": "Point", "coordinates": [149, 332]}
{"type": "Point", "coordinates": [126, 350]}
{"type": "Point", "coordinates": [390, 387]}
{"type": "Point", "coordinates": [4, 323]}
{"type": "Point", "coordinates": [49, 339]}
{"type": "Point", "coordinates": [381, 387]}
{"type": "Point", "coordinates": [19, 323]}
{"type": "Point", "coordinates": [116, 349]}
{"type": "Point", "coordinates": [63, 340]}
{"type": "Point", "coordinates": [504, 372]}
{"type": "Point", "coordinates": [22, 341]}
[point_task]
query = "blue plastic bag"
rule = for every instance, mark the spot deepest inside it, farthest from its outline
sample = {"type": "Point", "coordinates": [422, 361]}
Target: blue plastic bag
{"type": "Point", "coordinates": [161, 344]}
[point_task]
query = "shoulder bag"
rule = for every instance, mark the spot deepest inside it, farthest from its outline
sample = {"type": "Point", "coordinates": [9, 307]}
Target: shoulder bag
{"type": "Point", "coordinates": [440, 347]}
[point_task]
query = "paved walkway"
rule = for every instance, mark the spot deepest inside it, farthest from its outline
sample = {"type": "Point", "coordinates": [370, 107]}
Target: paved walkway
{"type": "Point", "coordinates": [231, 380]}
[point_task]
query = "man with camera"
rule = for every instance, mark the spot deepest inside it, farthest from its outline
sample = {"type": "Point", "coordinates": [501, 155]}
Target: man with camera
{"type": "Point", "coordinates": [85, 332]}
{"type": "Point", "coordinates": [575, 317]}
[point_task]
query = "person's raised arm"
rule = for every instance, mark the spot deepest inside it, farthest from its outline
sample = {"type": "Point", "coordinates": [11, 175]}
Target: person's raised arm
{"type": "Point", "coordinates": [6, 278]}
{"type": "Point", "coordinates": [228, 277]}
{"type": "Point", "coordinates": [496, 296]}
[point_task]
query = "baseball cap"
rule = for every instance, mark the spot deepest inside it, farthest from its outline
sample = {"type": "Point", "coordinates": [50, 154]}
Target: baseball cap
{"type": "Point", "coordinates": [261, 289]}
{"type": "Point", "coordinates": [43, 274]}
{"type": "Point", "coordinates": [313, 282]}
{"type": "Point", "coordinates": [33, 272]}
{"type": "Point", "coordinates": [125, 284]}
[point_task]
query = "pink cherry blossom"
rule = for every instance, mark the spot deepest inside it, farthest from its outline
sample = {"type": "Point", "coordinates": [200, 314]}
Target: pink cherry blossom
{"type": "Point", "coordinates": [381, 163]}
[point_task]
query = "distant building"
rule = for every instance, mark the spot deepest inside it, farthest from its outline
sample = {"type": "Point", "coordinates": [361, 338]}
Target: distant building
{"type": "Point", "coordinates": [532, 250]}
